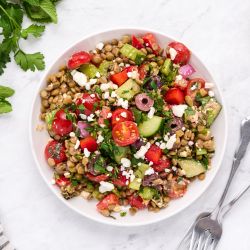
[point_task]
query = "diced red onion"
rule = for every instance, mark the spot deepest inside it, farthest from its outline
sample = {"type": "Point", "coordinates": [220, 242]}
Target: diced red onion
{"type": "Point", "coordinates": [186, 70]}
{"type": "Point", "coordinates": [82, 127]}
{"type": "Point", "coordinates": [143, 102]}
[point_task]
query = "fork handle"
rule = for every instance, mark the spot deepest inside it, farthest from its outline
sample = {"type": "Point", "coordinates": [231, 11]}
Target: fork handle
{"type": "Point", "coordinates": [239, 154]}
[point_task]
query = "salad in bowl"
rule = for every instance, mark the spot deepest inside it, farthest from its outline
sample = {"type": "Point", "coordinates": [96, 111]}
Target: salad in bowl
{"type": "Point", "coordinates": [129, 124]}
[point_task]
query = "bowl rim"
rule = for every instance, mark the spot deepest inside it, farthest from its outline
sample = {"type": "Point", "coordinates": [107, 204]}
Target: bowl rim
{"type": "Point", "coordinates": [110, 222]}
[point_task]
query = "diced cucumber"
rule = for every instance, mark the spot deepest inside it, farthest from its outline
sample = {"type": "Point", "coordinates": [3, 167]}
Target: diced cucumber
{"type": "Point", "coordinates": [166, 67]}
{"type": "Point", "coordinates": [120, 152]}
{"type": "Point", "coordinates": [49, 118]}
{"type": "Point", "coordinates": [201, 151]}
{"type": "Point", "coordinates": [139, 174]}
{"type": "Point", "coordinates": [135, 184]}
{"type": "Point", "coordinates": [211, 110]}
{"type": "Point", "coordinates": [150, 126]}
{"type": "Point", "coordinates": [103, 68]}
{"type": "Point", "coordinates": [89, 70]}
{"type": "Point", "coordinates": [191, 167]}
{"type": "Point", "coordinates": [147, 193]}
{"type": "Point", "coordinates": [132, 53]}
{"type": "Point", "coordinates": [128, 89]}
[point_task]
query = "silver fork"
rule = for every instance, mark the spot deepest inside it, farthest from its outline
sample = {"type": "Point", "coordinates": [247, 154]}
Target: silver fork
{"type": "Point", "coordinates": [245, 137]}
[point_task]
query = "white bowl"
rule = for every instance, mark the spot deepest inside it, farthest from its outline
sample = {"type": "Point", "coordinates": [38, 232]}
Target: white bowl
{"type": "Point", "coordinates": [38, 140]}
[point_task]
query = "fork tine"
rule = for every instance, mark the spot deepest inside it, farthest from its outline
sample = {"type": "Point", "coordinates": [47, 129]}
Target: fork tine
{"type": "Point", "coordinates": [192, 241]}
{"type": "Point", "coordinates": [200, 242]}
{"type": "Point", "coordinates": [208, 241]}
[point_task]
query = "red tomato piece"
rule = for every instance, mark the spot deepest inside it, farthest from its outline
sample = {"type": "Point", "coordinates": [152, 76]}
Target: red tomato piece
{"type": "Point", "coordinates": [120, 181]}
{"type": "Point", "coordinates": [78, 59]}
{"type": "Point", "coordinates": [107, 202]}
{"type": "Point", "coordinates": [183, 54]}
{"type": "Point", "coordinates": [131, 68]}
{"type": "Point", "coordinates": [121, 115]}
{"type": "Point", "coordinates": [56, 151]}
{"type": "Point", "coordinates": [154, 154]}
{"type": "Point", "coordinates": [119, 78]}
{"type": "Point", "coordinates": [97, 178]}
{"type": "Point", "coordinates": [136, 201]}
{"type": "Point", "coordinates": [161, 165]}
{"type": "Point", "coordinates": [104, 115]}
{"type": "Point", "coordinates": [137, 43]}
{"type": "Point", "coordinates": [60, 125]}
{"type": "Point", "coordinates": [62, 181]}
{"type": "Point", "coordinates": [142, 72]}
{"type": "Point", "coordinates": [150, 41]}
{"type": "Point", "coordinates": [176, 190]}
{"type": "Point", "coordinates": [194, 86]}
{"type": "Point", "coordinates": [89, 101]}
{"type": "Point", "coordinates": [125, 133]}
{"type": "Point", "coordinates": [89, 143]}
{"type": "Point", "coordinates": [174, 96]}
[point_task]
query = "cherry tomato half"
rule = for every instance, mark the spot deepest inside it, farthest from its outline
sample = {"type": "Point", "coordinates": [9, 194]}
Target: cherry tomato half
{"type": "Point", "coordinates": [97, 178]}
{"type": "Point", "coordinates": [176, 190]}
{"type": "Point", "coordinates": [121, 115]}
{"type": "Point", "coordinates": [174, 96]}
{"type": "Point", "coordinates": [154, 154]}
{"type": "Point", "coordinates": [125, 133]}
{"type": "Point", "coordinates": [136, 201]}
{"type": "Point", "coordinates": [78, 59]}
{"type": "Point", "coordinates": [89, 143]}
{"type": "Point", "coordinates": [161, 165]}
{"type": "Point", "coordinates": [137, 43]}
{"type": "Point", "coordinates": [194, 86]}
{"type": "Point", "coordinates": [142, 71]}
{"type": "Point", "coordinates": [103, 115]}
{"type": "Point", "coordinates": [89, 101]}
{"type": "Point", "coordinates": [60, 125]}
{"type": "Point", "coordinates": [107, 202]}
{"type": "Point", "coordinates": [56, 151]}
{"type": "Point", "coordinates": [183, 54]}
{"type": "Point", "coordinates": [120, 181]}
{"type": "Point", "coordinates": [62, 181]}
{"type": "Point", "coordinates": [150, 41]}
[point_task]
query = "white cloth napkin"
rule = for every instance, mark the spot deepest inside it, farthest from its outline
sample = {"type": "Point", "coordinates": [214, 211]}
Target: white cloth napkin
{"type": "Point", "coordinates": [4, 242]}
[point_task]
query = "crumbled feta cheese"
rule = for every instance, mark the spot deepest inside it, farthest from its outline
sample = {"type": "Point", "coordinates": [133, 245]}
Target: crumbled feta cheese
{"type": "Point", "coordinates": [94, 51]}
{"type": "Point", "coordinates": [122, 103]}
{"type": "Point", "coordinates": [113, 94]}
{"type": "Point", "coordinates": [151, 112]}
{"type": "Point", "coordinates": [132, 177]}
{"type": "Point", "coordinates": [190, 143]}
{"type": "Point", "coordinates": [121, 64]}
{"type": "Point", "coordinates": [100, 46]}
{"type": "Point", "coordinates": [106, 95]}
{"type": "Point", "coordinates": [100, 139]}
{"type": "Point", "coordinates": [142, 151]}
{"type": "Point", "coordinates": [67, 174]}
{"type": "Point", "coordinates": [172, 53]}
{"type": "Point", "coordinates": [105, 186]}
{"type": "Point", "coordinates": [150, 163]}
{"type": "Point", "coordinates": [178, 78]}
{"type": "Point", "coordinates": [183, 154]}
{"type": "Point", "coordinates": [178, 110]}
{"type": "Point", "coordinates": [209, 85]}
{"type": "Point", "coordinates": [127, 64]}
{"type": "Point", "coordinates": [97, 112]}
{"type": "Point", "coordinates": [127, 182]}
{"type": "Point", "coordinates": [149, 171]}
{"type": "Point", "coordinates": [86, 152]}
{"type": "Point", "coordinates": [167, 170]}
{"type": "Point", "coordinates": [109, 115]}
{"type": "Point", "coordinates": [92, 95]}
{"type": "Point", "coordinates": [85, 195]}
{"type": "Point", "coordinates": [183, 128]}
{"type": "Point", "coordinates": [79, 78]}
{"type": "Point", "coordinates": [171, 141]}
{"type": "Point", "coordinates": [163, 145]}
{"type": "Point", "coordinates": [133, 74]}
{"type": "Point", "coordinates": [211, 93]}
{"type": "Point", "coordinates": [98, 75]}
{"type": "Point", "coordinates": [139, 164]}
{"type": "Point", "coordinates": [104, 86]}
{"type": "Point", "coordinates": [90, 118]}
{"type": "Point", "coordinates": [166, 138]}
{"type": "Point", "coordinates": [77, 144]}
{"type": "Point", "coordinates": [83, 116]}
{"type": "Point", "coordinates": [53, 181]}
{"type": "Point", "coordinates": [126, 163]}
{"type": "Point", "coordinates": [157, 144]}
{"type": "Point", "coordinates": [124, 114]}
{"type": "Point", "coordinates": [174, 168]}
{"type": "Point", "coordinates": [102, 125]}
{"type": "Point", "coordinates": [194, 87]}
{"type": "Point", "coordinates": [109, 168]}
{"type": "Point", "coordinates": [72, 134]}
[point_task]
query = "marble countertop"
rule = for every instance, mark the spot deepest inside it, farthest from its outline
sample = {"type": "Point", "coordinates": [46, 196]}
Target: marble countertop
{"type": "Point", "coordinates": [219, 33]}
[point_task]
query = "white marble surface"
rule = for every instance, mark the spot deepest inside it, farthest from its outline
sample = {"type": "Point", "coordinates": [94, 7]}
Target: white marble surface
{"type": "Point", "coordinates": [32, 216]}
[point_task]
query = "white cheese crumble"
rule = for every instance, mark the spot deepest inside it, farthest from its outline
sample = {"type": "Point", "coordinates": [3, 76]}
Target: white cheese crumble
{"type": "Point", "coordinates": [83, 116]}
{"type": "Point", "coordinates": [53, 181]}
{"type": "Point", "coordinates": [178, 78]}
{"type": "Point", "coordinates": [183, 128]}
{"type": "Point", "coordinates": [211, 93]}
{"type": "Point", "coordinates": [113, 94]}
{"type": "Point", "coordinates": [126, 163]}
{"type": "Point", "coordinates": [194, 87]}
{"type": "Point", "coordinates": [121, 64]}
{"type": "Point", "coordinates": [133, 74]}
{"type": "Point", "coordinates": [151, 112]}
{"type": "Point", "coordinates": [172, 53]}
{"type": "Point", "coordinates": [171, 141]}
{"type": "Point", "coordinates": [92, 95]}
{"type": "Point", "coordinates": [122, 103]}
{"type": "Point", "coordinates": [190, 143]}
{"type": "Point", "coordinates": [105, 187]}
{"type": "Point", "coordinates": [109, 115]}
{"type": "Point", "coordinates": [72, 134]}
{"type": "Point", "coordinates": [109, 168]}
{"type": "Point", "coordinates": [90, 118]}
{"type": "Point", "coordinates": [98, 75]}
{"type": "Point", "coordinates": [163, 145]}
{"type": "Point", "coordinates": [77, 144]}
{"type": "Point", "coordinates": [100, 139]}
{"type": "Point", "coordinates": [142, 151]}
{"type": "Point", "coordinates": [209, 85]}
{"type": "Point", "coordinates": [174, 168]}
{"type": "Point", "coordinates": [97, 112]}
{"type": "Point", "coordinates": [100, 45]}
{"type": "Point", "coordinates": [124, 114]}
{"type": "Point", "coordinates": [67, 174]}
{"type": "Point", "coordinates": [167, 170]}
{"type": "Point", "coordinates": [157, 144]}
{"type": "Point", "coordinates": [150, 163]}
{"type": "Point", "coordinates": [178, 110]}
{"type": "Point", "coordinates": [109, 85]}
{"type": "Point", "coordinates": [149, 171]}
{"type": "Point", "coordinates": [79, 78]}
{"type": "Point", "coordinates": [166, 138]}
{"type": "Point", "coordinates": [86, 152]}
{"type": "Point", "coordinates": [106, 95]}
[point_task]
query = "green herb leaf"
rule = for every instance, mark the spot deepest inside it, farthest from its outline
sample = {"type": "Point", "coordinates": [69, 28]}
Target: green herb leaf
{"type": "Point", "coordinates": [34, 30]}
{"type": "Point", "coordinates": [30, 61]}
{"type": "Point", "coordinates": [5, 106]}
{"type": "Point", "coordinates": [6, 92]}
{"type": "Point", "coordinates": [189, 111]}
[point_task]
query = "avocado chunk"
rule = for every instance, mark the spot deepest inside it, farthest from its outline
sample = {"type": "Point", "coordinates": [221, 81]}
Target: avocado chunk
{"type": "Point", "coordinates": [150, 126]}
{"type": "Point", "coordinates": [128, 89]}
{"type": "Point", "coordinates": [211, 111]}
{"type": "Point", "coordinates": [191, 167]}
